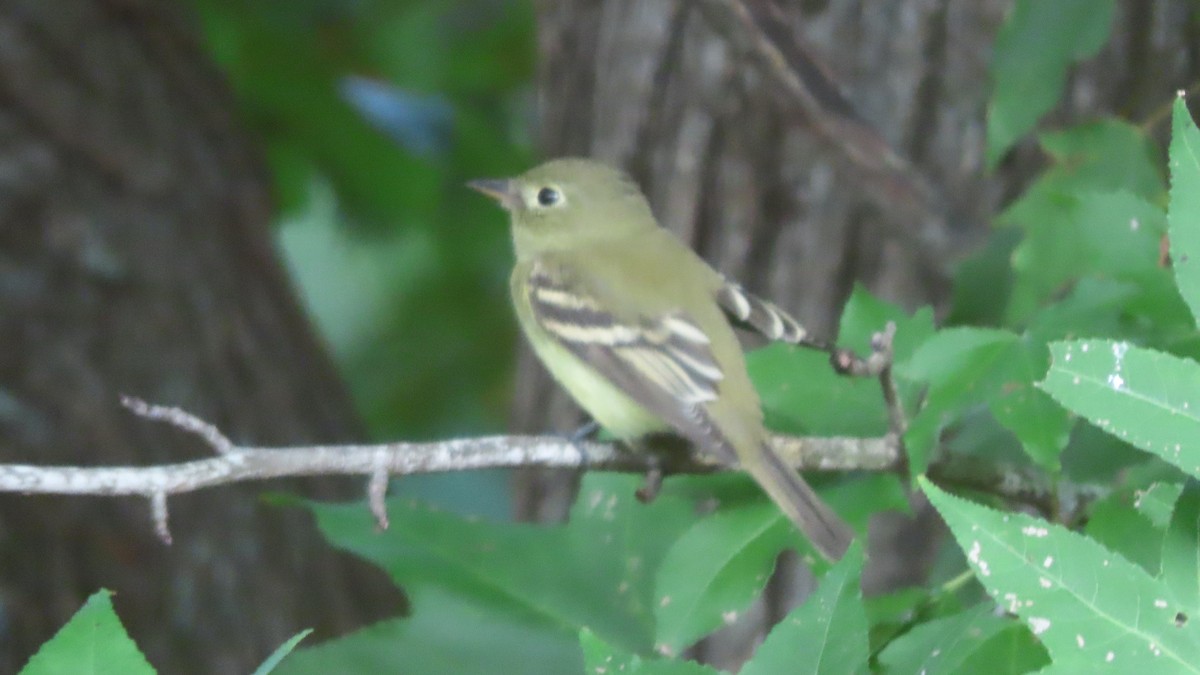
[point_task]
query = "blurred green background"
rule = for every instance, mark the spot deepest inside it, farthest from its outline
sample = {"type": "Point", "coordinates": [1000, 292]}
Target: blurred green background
{"type": "Point", "coordinates": [373, 115]}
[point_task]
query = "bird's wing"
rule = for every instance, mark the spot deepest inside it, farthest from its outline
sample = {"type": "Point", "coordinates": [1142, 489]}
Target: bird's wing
{"type": "Point", "coordinates": [750, 311]}
{"type": "Point", "coordinates": [665, 363]}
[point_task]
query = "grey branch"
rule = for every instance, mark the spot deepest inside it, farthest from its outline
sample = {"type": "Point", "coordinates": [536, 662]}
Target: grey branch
{"type": "Point", "coordinates": [232, 463]}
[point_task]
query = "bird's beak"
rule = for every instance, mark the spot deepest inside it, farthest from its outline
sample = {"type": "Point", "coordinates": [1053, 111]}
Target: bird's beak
{"type": "Point", "coordinates": [503, 190]}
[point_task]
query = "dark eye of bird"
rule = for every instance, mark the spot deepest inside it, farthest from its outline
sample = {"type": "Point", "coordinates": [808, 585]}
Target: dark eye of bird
{"type": "Point", "coordinates": [548, 196]}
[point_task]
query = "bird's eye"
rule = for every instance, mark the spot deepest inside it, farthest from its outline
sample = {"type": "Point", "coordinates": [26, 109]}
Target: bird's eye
{"type": "Point", "coordinates": [548, 196]}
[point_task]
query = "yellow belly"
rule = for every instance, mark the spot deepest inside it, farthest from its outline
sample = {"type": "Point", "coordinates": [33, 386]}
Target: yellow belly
{"type": "Point", "coordinates": [607, 404]}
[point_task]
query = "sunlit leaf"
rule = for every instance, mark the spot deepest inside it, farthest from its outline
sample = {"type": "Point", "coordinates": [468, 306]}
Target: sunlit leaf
{"type": "Point", "coordinates": [1147, 398]}
{"type": "Point", "coordinates": [1090, 607]}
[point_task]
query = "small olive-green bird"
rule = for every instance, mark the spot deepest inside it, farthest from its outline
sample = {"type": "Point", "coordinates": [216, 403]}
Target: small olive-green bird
{"type": "Point", "coordinates": [636, 326]}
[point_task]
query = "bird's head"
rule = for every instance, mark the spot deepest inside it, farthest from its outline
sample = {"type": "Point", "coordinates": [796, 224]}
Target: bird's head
{"type": "Point", "coordinates": [569, 202]}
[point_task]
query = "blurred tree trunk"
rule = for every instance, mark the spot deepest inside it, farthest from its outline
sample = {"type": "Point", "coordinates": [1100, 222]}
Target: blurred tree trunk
{"type": "Point", "coordinates": [742, 174]}
{"type": "Point", "coordinates": [136, 258]}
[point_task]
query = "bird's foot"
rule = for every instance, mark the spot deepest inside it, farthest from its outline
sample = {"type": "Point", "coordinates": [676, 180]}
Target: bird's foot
{"type": "Point", "coordinates": [651, 484]}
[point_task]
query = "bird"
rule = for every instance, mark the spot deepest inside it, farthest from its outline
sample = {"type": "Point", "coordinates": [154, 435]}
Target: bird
{"type": "Point", "coordinates": [638, 328]}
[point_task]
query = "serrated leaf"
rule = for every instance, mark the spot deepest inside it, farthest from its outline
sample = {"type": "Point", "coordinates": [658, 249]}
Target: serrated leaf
{"type": "Point", "coordinates": [715, 570]}
{"type": "Point", "coordinates": [1115, 524]}
{"type": "Point", "coordinates": [1033, 49]}
{"type": "Point", "coordinates": [826, 634]}
{"type": "Point", "coordinates": [1012, 651]}
{"type": "Point", "coordinates": [1103, 157]}
{"type": "Point", "coordinates": [1144, 397]}
{"type": "Point", "coordinates": [967, 367]}
{"type": "Point", "coordinates": [595, 571]}
{"type": "Point", "coordinates": [1090, 607]}
{"type": "Point", "coordinates": [446, 634]}
{"type": "Point", "coordinates": [943, 645]}
{"type": "Point", "coordinates": [802, 394]}
{"type": "Point", "coordinates": [93, 641]}
{"type": "Point", "coordinates": [602, 658]}
{"type": "Point", "coordinates": [865, 315]}
{"type": "Point", "coordinates": [1183, 214]}
{"type": "Point", "coordinates": [1181, 550]}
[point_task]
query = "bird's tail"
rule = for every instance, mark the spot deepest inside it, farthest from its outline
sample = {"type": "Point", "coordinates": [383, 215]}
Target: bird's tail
{"type": "Point", "coordinates": [824, 528]}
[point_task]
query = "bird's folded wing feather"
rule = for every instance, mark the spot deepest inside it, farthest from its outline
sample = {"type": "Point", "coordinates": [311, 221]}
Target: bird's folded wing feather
{"type": "Point", "coordinates": [664, 363]}
{"type": "Point", "coordinates": [765, 317]}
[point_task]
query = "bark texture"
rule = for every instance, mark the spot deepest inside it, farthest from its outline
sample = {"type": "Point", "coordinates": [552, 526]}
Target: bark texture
{"type": "Point", "coordinates": [136, 258]}
{"type": "Point", "coordinates": [754, 182]}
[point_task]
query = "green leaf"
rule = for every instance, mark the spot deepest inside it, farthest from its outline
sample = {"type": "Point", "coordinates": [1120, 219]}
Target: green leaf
{"type": "Point", "coordinates": [715, 570]}
{"type": "Point", "coordinates": [983, 282]}
{"type": "Point", "coordinates": [1184, 211]}
{"type": "Point", "coordinates": [1144, 397]}
{"type": "Point", "coordinates": [596, 571]}
{"type": "Point", "coordinates": [93, 641]}
{"type": "Point", "coordinates": [1090, 607]}
{"type": "Point", "coordinates": [801, 394]}
{"type": "Point", "coordinates": [967, 367]}
{"type": "Point", "coordinates": [1104, 157]}
{"type": "Point", "coordinates": [1158, 502]}
{"type": "Point", "coordinates": [278, 655]}
{"type": "Point", "coordinates": [827, 634]}
{"type": "Point", "coordinates": [866, 315]}
{"type": "Point", "coordinates": [1120, 233]}
{"type": "Point", "coordinates": [447, 634]}
{"type": "Point", "coordinates": [1181, 550]}
{"type": "Point", "coordinates": [1033, 49]}
{"type": "Point", "coordinates": [1012, 651]}
{"type": "Point", "coordinates": [943, 645]}
{"type": "Point", "coordinates": [1119, 527]}
{"type": "Point", "coordinates": [861, 496]}
{"type": "Point", "coordinates": [599, 657]}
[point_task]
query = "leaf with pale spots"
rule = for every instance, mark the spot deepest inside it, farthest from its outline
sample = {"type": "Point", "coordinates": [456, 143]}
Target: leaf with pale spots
{"type": "Point", "coordinates": [595, 571]}
{"type": "Point", "coordinates": [1183, 213]}
{"type": "Point", "coordinates": [947, 644]}
{"type": "Point", "coordinates": [826, 634]}
{"type": "Point", "coordinates": [1090, 607]}
{"type": "Point", "coordinates": [714, 571]}
{"type": "Point", "coordinates": [1146, 398]}
{"type": "Point", "coordinates": [603, 659]}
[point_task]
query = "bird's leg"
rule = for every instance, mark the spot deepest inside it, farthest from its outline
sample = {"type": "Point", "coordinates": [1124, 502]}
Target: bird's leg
{"type": "Point", "coordinates": [651, 482]}
{"type": "Point", "coordinates": [584, 432]}
{"type": "Point", "coordinates": [661, 450]}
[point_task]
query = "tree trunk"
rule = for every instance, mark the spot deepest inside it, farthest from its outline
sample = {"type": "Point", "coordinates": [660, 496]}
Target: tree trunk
{"type": "Point", "coordinates": [755, 183]}
{"type": "Point", "coordinates": [136, 258]}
